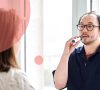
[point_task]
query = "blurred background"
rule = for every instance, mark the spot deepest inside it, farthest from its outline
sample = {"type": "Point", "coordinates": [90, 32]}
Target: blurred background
{"type": "Point", "coordinates": [50, 24]}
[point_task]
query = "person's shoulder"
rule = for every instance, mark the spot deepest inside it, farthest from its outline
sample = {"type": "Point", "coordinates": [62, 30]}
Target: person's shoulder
{"type": "Point", "coordinates": [77, 50]}
{"type": "Point", "coordinates": [22, 79]}
{"type": "Point", "coordinates": [18, 73]}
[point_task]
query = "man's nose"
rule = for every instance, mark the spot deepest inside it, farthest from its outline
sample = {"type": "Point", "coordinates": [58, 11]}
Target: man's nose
{"type": "Point", "coordinates": [85, 29]}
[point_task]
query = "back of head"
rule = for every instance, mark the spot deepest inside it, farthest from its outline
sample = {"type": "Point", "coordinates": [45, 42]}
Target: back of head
{"type": "Point", "coordinates": [9, 25]}
{"type": "Point", "coordinates": [9, 35]}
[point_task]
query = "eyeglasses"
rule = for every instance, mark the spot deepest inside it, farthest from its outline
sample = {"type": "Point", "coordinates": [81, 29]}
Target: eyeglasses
{"type": "Point", "coordinates": [90, 27]}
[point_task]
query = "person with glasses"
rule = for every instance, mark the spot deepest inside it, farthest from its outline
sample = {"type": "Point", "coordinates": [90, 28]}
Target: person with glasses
{"type": "Point", "coordinates": [79, 68]}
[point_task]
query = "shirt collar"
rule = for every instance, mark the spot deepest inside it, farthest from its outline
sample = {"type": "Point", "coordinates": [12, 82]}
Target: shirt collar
{"type": "Point", "coordinates": [98, 49]}
{"type": "Point", "coordinates": [81, 49]}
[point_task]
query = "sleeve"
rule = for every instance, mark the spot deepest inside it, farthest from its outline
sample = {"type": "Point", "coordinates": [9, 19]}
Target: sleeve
{"type": "Point", "coordinates": [53, 72]}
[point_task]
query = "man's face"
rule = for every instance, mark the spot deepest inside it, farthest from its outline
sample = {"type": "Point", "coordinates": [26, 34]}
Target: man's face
{"type": "Point", "coordinates": [88, 37]}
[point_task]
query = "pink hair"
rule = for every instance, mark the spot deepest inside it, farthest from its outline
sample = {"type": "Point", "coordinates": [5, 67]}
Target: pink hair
{"type": "Point", "coordinates": [9, 28]}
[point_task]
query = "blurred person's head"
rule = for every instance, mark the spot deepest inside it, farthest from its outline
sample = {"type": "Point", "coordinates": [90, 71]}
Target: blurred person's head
{"type": "Point", "coordinates": [9, 35]}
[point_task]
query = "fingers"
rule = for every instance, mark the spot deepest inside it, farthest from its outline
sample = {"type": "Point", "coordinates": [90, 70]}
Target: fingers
{"type": "Point", "coordinates": [72, 44]}
{"type": "Point", "coordinates": [75, 38]}
{"type": "Point", "coordinates": [76, 44]}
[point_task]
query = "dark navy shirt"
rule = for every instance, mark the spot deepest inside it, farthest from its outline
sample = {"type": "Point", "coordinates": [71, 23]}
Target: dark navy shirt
{"type": "Point", "coordinates": [83, 73]}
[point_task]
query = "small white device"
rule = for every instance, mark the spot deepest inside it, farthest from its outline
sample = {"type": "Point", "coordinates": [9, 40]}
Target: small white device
{"type": "Point", "coordinates": [76, 40]}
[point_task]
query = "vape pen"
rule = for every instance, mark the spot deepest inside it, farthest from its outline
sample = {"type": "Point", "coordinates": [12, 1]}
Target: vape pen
{"type": "Point", "coordinates": [76, 40]}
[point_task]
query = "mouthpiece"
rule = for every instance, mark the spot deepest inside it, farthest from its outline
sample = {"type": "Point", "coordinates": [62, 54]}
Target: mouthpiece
{"type": "Point", "coordinates": [76, 40]}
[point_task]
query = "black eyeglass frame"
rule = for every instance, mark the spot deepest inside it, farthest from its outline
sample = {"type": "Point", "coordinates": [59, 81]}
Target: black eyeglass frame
{"type": "Point", "coordinates": [87, 27]}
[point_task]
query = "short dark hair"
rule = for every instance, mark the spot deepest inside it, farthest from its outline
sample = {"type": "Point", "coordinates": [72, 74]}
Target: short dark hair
{"type": "Point", "coordinates": [92, 12]}
{"type": "Point", "coordinates": [7, 60]}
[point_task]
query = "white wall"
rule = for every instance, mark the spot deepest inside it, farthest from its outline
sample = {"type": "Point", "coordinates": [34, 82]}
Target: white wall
{"type": "Point", "coordinates": [79, 8]}
{"type": "Point", "coordinates": [34, 45]}
{"type": "Point", "coordinates": [57, 29]}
